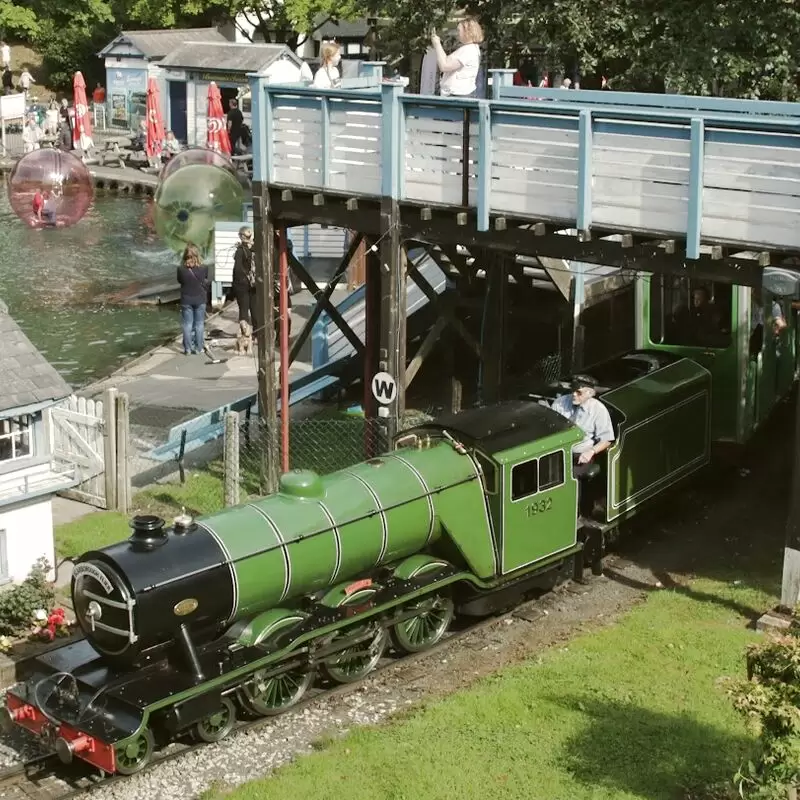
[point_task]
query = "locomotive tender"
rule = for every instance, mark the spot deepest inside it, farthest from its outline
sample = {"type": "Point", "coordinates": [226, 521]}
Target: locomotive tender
{"type": "Point", "coordinates": [188, 626]}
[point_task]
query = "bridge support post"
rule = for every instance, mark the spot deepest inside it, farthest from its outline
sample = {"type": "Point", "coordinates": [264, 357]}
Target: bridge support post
{"type": "Point", "coordinates": [267, 379]}
{"type": "Point", "coordinates": [790, 585]}
{"type": "Point", "coordinates": [372, 325]}
{"type": "Point", "coordinates": [392, 351]}
{"type": "Point", "coordinates": [493, 338]}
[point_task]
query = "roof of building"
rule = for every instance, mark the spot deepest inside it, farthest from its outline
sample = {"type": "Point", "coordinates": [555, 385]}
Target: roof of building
{"type": "Point", "coordinates": [341, 29]}
{"type": "Point", "coordinates": [157, 44]}
{"type": "Point", "coordinates": [26, 377]}
{"type": "Point", "coordinates": [502, 426]}
{"type": "Point", "coordinates": [228, 57]}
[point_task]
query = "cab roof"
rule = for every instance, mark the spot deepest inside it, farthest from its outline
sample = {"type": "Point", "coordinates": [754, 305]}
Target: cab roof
{"type": "Point", "coordinates": [493, 429]}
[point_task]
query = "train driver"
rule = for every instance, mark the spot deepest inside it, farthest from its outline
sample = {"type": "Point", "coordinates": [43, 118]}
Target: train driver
{"type": "Point", "coordinates": [583, 409]}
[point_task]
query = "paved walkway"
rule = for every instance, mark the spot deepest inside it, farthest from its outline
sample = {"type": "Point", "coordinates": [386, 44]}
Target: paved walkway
{"type": "Point", "coordinates": [167, 388]}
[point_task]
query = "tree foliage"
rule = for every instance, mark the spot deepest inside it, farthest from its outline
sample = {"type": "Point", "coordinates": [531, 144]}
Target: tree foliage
{"type": "Point", "coordinates": [770, 700]}
{"type": "Point", "coordinates": [729, 47]}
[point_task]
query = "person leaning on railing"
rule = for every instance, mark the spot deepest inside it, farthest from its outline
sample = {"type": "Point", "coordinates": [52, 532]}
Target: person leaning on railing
{"type": "Point", "coordinates": [460, 68]}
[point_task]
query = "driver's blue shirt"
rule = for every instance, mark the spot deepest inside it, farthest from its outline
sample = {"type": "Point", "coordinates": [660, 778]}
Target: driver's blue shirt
{"type": "Point", "coordinates": [591, 417]}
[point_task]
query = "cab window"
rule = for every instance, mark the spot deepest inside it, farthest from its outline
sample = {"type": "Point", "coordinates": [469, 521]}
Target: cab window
{"type": "Point", "coordinates": [690, 312]}
{"type": "Point", "coordinates": [524, 479]}
{"type": "Point", "coordinates": [551, 471]}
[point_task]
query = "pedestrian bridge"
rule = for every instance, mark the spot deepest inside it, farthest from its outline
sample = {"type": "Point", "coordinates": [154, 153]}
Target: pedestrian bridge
{"type": "Point", "coordinates": [693, 171]}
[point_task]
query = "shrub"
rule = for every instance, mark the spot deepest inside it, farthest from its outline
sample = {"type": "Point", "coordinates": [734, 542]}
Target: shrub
{"type": "Point", "coordinates": [19, 604]}
{"type": "Point", "coordinates": [770, 700]}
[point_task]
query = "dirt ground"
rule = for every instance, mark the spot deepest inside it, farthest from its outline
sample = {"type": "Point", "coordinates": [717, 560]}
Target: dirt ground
{"type": "Point", "coordinates": [721, 524]}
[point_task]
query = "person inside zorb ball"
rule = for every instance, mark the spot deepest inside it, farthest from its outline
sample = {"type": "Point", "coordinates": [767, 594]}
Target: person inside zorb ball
{"type": "Point", "coordinates": [189, 203]}
{"type": "Point", "coordinates": [50, 189]}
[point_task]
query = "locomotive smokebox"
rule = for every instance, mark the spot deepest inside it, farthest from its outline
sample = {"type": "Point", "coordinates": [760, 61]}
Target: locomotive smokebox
{"type": "Point", "coordinates": [139, 597]}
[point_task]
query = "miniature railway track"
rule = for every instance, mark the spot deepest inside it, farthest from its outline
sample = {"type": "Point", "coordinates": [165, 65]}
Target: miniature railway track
{"type": "Point", "coordinates": [46, 778]}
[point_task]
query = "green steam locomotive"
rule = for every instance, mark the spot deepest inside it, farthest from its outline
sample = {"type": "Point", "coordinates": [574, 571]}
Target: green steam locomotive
{"type": "Point", "coordinates": [189, 626]}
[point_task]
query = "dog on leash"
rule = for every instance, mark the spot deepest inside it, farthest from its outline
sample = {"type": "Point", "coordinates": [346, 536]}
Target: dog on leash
{"type": "Point", "coordinates": [244, 341]}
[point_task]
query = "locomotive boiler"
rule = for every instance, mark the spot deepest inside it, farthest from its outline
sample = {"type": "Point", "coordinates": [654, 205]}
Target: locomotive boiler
{"type": "Point", "coordinates": [186, 585]}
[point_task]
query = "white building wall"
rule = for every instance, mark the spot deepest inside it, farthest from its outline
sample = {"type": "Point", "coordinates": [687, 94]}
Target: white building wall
{"type": "Point", "coordinates": [28, 531]}
{"type": "Point", "coordinates": [123, 62]}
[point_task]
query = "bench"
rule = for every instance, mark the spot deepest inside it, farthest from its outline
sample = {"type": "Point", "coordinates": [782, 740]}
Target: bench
{"type": "Point", "coordinates": [208, 427]}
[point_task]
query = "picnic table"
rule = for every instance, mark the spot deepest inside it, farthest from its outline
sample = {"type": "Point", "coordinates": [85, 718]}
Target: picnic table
{"type": "Point", "coordinates": [116, 148]}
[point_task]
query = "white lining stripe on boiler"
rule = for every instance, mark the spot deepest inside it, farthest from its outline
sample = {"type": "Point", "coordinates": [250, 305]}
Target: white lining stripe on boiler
{"type": "Point", "coordinates": [287, 561]}
{"type": "Point", "coordinates": [379, 507]}
{"type": "Point", "coordinates": [231, 567]}
{"type": "Point", "coordinates": [431, 510]}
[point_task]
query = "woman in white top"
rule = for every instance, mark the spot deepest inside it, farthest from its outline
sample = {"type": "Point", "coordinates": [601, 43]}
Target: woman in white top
{"type": "Point", "coordinates": [460, 69]}
{"type": "Point", "coordinates": [327, 76]}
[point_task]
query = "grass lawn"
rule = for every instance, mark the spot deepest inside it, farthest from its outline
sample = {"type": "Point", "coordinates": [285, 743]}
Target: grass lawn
{"type": "Point", "coordinates": [201, 494]}
{"type": "Point", "coordinates": [630, 711]}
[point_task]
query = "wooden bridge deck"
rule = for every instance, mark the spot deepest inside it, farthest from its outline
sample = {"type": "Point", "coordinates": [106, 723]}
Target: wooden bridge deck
{"type": "Point", "coordinates": [688, 171]}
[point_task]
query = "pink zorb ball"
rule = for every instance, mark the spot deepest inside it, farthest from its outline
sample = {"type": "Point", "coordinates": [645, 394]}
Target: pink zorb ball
{"type": "Point", "coordinates": [50, 189]}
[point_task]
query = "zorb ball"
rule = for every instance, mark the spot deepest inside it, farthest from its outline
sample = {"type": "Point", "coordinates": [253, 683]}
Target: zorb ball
{"type": "Point", "coordinates": [189, 203]}
{"type": "Point", "coordinates": [197, 155]}
{"type": "Point", "coordinates": [50, 189]}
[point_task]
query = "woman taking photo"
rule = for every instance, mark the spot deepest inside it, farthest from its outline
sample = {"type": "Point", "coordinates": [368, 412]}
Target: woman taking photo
{"type": "Point", "coordinates": [193, 280]}
{"type": "Point", "coordinates": [460, 68]}
{"type": "Point", "coordinates": [327, 76]}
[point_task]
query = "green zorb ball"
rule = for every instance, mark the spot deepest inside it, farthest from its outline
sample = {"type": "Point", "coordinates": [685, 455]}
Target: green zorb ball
{"type": "Point", "coordinates": [190, 201]}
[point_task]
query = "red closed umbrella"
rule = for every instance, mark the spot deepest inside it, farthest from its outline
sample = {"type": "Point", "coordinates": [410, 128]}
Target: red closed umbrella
{"type": "Point", "coordinates": [82, 130]}
{"type": "Point", "coordinates": [217, 137]}
{"type": "Point", "coordinates": [155, 124]}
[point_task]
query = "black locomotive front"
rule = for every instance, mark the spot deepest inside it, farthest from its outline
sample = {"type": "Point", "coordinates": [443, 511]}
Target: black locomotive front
{"type": "Point", "coordinates": [161, 586]}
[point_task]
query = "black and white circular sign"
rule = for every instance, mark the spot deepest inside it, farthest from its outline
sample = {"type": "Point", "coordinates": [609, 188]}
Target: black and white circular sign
{"type": "Point", "coordinates": [384, 388]}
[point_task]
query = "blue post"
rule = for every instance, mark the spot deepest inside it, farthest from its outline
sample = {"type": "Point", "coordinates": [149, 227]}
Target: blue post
{"type": "Point", "coordinates": [695, 219]}
{"type": "Point", "coordinates": [584, 222]}
{"type": "Point", "coordinates": [262, 129]}
{"type": "Point", "coordinates": [501, 78]}
{"type": "Point", "coordinates": [371, 69]}
{"type": "Point", "coordinates": [392, 146]}
{"type": "Point", "coordinates": [484, 163]}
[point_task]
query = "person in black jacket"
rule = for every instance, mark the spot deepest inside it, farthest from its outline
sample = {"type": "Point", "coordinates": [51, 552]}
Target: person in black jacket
{"type": "Point", "coordinates": [244, 278]}
{"type": "Point", "coordinates": [193, 280]}
{"type": "Point", "coordinates": [243, 285]}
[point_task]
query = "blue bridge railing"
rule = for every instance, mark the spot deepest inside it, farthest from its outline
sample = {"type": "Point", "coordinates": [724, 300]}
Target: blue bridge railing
{"type": "Point", "coordinates": [704, 170]}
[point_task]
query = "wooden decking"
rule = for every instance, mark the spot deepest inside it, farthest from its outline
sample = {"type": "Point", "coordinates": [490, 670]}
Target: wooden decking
{"type": "Point", "coordinates": [699, 171]}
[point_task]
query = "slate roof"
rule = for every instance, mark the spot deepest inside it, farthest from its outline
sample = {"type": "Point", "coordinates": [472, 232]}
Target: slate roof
{"type": "Point", "coordinates": [341, 29]}
{"type": "Point", "coordinates": [157, 44]}
{"type": "Point", "coordinates": [227, 56]}
{"type": "Point", "coordinates": [26, 377]}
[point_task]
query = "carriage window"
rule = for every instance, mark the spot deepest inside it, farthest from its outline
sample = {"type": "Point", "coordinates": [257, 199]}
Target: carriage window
{"type": "Point", "coordinates": [524, 479]}
{"type": "Point", "coordinates": [690, 312]}
{"type": "Point", "coordinates": [489, 472]}
{"type": "Point", "coordinates": [551, 471]}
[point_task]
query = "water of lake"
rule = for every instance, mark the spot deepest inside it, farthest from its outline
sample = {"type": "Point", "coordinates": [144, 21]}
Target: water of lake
{"type": "Point", "coordinates": [50, 278]}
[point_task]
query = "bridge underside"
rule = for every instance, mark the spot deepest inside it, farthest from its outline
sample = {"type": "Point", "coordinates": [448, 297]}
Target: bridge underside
{"type": "Point", "coordinates": [484, 339]}
{"type": "Point", "coordinates": [458, 226]}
